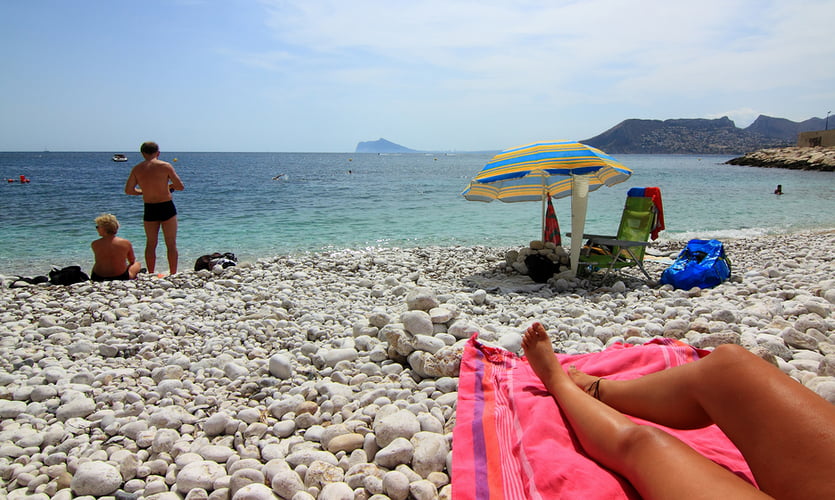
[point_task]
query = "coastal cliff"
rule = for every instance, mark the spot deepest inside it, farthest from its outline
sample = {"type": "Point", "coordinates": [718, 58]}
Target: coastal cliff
{"type": "Point", "coordinates": [700, 136]}
{"type": "Point", "coordinates": [815, 158]}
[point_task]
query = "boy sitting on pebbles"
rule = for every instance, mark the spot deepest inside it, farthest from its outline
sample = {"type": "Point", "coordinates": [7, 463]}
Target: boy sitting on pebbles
{"type": "Point", "coordinates": [115, 259]}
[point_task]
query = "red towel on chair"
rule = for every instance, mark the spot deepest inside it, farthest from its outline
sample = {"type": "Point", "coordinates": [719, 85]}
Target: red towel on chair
{"type": "Point", "coordinates": [655, 194]}
{"type": "Point", "coordinates": [511, 441]}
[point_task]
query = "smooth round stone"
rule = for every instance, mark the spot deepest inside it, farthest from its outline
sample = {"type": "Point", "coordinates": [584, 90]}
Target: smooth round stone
{"type": "Point", "coordinates": [430, 454]}
{"type": "Point", "coordinates": [421, 298]}
{"type": "Point", "coordinates": [78, 407]}
{"type": "Point", "coordinates": [280, 366]}
{"type": "Point", "coordinates": [321, 473]}
{"type": "Point", "coordinates": [287, 483]}
{"type": "Point", "coordinates": [216, 453]}
{"type": "Point", "coordinates": [95, 478]}
{"type": "Point", "coordinates": [234, 371]}
{"type": "Point", "coordinates": [43, 393]}
{"type": "Point", "coordinates": [11, 409]}
{"type": "Point", "coordinates": [284, 428]}
{"type": "Point", "coordinates": [417, 322]}
{"type": "Point", "coordinates": [195, 494]}
{"type": "Point", "coordinates": [249, 415]}
{"type": "Point", "coordinates": [306, 457]}
{"type": "Point", "coordinates": [164, 440]}
{"type": "Point", "coordinates": [254, 491]}
{"type": "Point", "coordinates": [201, 474]}
{"type": "Point", "coordinates": [403, 423]}
{"type": "Point", "coordinates": [244, 477]}
{"type": "Point", "coordinates": [346, 442]}
{"type": "Point", "coordinates": [423, 490]}
{"type": "Point", "coordinates": [216, 424]}
{"type": "Point", "coordinates": [396, 485]}
{"type": "Point", "coordinates": [337, 491]}
{"type": "Point", "coordinates": [399, 451]}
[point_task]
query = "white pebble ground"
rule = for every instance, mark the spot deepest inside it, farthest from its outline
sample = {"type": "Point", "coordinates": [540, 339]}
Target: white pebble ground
{"type": "Point", "coordinates": [334, 376]}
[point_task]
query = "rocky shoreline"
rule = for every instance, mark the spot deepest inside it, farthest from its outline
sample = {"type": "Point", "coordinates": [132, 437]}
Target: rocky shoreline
{"type": "Point", "coordinates": [796, 158]}
{"type": "Point", "coordinates": [334, 376]}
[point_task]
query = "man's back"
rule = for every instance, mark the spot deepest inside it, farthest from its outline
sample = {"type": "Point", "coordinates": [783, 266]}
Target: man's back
{"type": "Point", "coordinates": [152, 176]}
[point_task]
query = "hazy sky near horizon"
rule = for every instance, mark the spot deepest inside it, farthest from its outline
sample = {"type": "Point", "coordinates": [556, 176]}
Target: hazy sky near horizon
{"type": "Point", "coordinates": [322, 75]}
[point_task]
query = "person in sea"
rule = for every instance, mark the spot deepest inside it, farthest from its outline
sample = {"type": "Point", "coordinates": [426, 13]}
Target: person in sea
{"type": "Point", "coordinates": [155, 180]}
{"type": "Point", "coordinates": [114, 256]}
{"type": "Point", "coordinates": [779, 189]}
{"type": "Point", "coordinates": [785, 431]}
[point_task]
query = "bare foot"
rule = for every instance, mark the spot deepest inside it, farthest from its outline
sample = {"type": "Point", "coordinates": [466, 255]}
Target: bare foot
{"type": "Point", "coordinates": [583, 380]}
{"type": "Point", "coordinates": [540, 355]}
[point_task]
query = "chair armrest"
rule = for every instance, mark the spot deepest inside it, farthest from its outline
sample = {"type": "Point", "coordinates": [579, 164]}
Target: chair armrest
{"type": "Point", "coordinates": [612, 242]}
{"type": "Point", "coordinates": [593, 236]}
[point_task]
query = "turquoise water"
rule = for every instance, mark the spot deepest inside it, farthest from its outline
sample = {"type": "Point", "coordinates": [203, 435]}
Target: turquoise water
{"type": "Point", "coordinates": [232, 204]}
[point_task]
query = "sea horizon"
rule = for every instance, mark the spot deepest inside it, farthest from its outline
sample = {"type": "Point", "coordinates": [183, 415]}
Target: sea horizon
{"type": "Point", "coordinates": [333, 201]}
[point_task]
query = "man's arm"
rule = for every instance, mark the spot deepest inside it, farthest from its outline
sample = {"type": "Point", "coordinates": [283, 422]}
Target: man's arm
{"type": "Point", "coordinates": [176, 183]}
{"type": "Point", "coordinates": [130, 185]}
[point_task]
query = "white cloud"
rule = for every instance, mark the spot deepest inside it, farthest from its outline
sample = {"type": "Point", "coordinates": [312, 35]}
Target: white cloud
{"type": "Point", "coordinates": [557, 41]}
{"type": "Point", "coordinates": [470, 74]}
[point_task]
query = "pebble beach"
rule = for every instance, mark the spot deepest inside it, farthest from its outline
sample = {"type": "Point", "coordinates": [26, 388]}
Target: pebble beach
{"type": "Point", "coordinates": [334, 375]}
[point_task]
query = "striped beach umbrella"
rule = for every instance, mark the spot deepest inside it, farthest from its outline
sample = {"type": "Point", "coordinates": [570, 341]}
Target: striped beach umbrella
{"type": "Point", "coordinates": [536, 171]}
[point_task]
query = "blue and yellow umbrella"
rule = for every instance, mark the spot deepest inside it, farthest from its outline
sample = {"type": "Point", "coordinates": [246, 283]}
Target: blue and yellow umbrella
{"type": "Point", "coordinates": [537, 171]}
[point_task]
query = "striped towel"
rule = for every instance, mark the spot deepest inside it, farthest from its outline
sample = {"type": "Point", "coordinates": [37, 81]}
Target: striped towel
{"type": "Point", "coordinates": [511, 441]}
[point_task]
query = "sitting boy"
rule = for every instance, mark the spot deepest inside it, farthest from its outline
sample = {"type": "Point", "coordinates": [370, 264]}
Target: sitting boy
{"type": "Point", "coordinates": [115, 259]}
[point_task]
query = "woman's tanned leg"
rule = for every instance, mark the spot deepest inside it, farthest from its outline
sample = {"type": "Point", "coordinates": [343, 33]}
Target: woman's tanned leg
{"type": "Point", "coordinates": [657, 464]}
{"type": "Point", "coordinates": [785, 431]}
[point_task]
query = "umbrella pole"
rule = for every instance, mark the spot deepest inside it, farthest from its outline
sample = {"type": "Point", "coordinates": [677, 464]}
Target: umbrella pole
{"type": "Point", "coordinates": [579, 204]}
{"type": "Point", "coordinates": [544, 208]}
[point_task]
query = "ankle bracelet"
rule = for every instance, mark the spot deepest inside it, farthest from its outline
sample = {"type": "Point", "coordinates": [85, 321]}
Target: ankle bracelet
{"type": "Point", "coordinates": [594, 389]}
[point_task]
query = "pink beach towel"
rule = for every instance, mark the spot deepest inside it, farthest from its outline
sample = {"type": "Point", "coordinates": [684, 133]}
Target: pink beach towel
{"type": "Point", "coordinates": [512, 442]}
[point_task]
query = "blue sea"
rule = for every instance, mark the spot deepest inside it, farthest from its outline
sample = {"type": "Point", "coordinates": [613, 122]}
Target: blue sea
{"type": "Point", "coordinates": [326, 201]}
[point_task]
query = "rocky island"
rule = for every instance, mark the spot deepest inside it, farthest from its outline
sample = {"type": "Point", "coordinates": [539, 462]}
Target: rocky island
{"type": "Point", "coordinates": [797, 158]}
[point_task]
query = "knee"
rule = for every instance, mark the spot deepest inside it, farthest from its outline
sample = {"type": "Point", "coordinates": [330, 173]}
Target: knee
{"type": "Point", "coordinates": [639, 440]}
{"type": "Point", "coordinates": [729, 355]}
{"type": "Point", "coordinates": [728, 361]}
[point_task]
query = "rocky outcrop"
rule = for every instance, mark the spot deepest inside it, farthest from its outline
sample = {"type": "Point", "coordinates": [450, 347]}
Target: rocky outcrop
{"type": "Point", "coordinates": [696, 136]}
{"type": "Point", "coordinates": [817, 158]}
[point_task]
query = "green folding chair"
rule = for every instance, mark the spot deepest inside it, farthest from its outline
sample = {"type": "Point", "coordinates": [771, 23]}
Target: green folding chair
{"type": "Point", "coordinates": [628, 247]}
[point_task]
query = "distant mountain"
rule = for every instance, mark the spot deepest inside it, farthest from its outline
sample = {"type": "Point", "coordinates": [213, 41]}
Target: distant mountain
{"type": "Point", "coordinates": [677, 136]}
{"type": "Point", "coordinates": [700, 136]}
{"type": "Point", "coordinates": [784, 129]}
{"type": "Point", "coordinates": [382, 146]}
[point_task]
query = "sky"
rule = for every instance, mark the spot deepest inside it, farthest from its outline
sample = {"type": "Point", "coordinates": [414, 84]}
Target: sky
{"type": "Point", "coordinates": [442, 75]}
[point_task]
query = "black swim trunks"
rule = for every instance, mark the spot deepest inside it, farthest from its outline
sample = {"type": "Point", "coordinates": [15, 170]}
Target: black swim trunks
{"type": "Point", "coordinates": [159, 212]}
{"type": "Point", "coordinates": [123, 276]}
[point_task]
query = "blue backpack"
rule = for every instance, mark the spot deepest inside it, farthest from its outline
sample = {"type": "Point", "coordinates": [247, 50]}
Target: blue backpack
{"type": "Point", "coordinates": [702, 263]}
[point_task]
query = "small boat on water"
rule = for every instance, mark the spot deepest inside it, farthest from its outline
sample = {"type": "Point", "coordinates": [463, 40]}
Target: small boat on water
{"type": "Point", "coordinates": [119, 157]}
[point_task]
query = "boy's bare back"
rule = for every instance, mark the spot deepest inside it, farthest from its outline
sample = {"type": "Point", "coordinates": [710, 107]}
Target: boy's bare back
{"type": "Point", "coordinates": [113, 255]}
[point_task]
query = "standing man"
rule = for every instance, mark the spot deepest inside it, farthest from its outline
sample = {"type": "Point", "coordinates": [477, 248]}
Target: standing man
{"type": "Point", "coordinates": [155, 180]}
